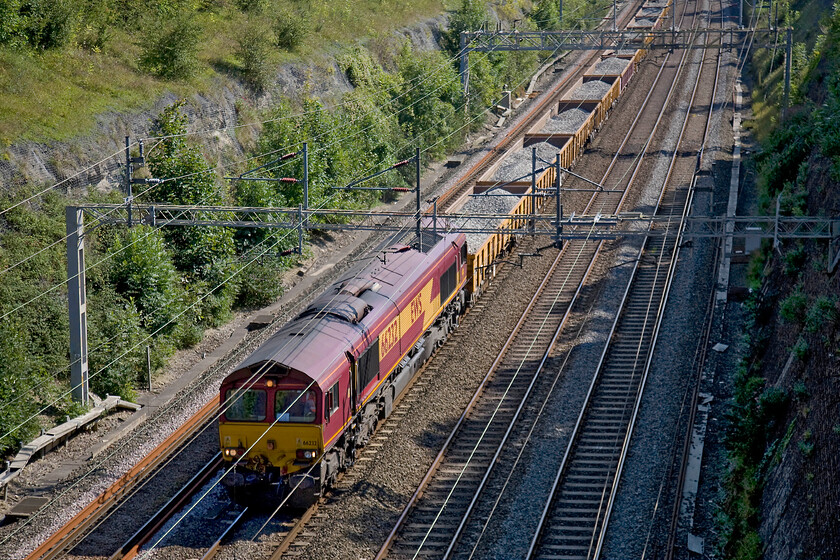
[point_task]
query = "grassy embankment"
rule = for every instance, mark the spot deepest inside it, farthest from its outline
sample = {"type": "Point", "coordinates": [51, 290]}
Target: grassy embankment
{"type": "Point", "coordinates": [56, 93]}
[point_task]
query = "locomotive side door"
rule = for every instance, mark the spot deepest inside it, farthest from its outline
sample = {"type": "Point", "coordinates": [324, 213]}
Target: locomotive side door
{"type": "Point", "coordinates": [352, 393]}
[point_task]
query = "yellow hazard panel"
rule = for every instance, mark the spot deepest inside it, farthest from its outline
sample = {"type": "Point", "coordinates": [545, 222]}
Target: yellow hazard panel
{"type": "Point", "coordinates": [279, 445]}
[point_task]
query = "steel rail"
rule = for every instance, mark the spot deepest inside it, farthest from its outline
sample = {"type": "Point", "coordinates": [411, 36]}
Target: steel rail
{"type": "Point", "coordinates": [600, 533]}
{"type": "Point", "coordinates": [439, 459]}
{"type": "Point", "coordinates": [63, 540]}
{"type": "Point", "coordinates": [453, 195]}
{"type": "Point", "coordinates": [132, 545]}
{"type": "Point", "coordinates": [473, 401]}
{"type": "Point", "coordinates": [217, 545]}
{"type": "Point", "coordinates": [701, 353]}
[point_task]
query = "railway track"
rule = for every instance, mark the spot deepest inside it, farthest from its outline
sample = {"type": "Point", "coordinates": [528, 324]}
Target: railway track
{"type": "Point", "coordinates": [454, 197]}
{"type": "Point", "coordinates": [434, 520]}
{"type": "Point", "coordinates": [71, 534]}
{"type": "Point", "coordinates": [562, 300]}
{"type": "Point", "coordinates": [576, 515]}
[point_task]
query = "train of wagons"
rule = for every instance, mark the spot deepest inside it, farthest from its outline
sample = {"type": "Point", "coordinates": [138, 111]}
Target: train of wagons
{"type": "Point", "coordinates": [295, 412]}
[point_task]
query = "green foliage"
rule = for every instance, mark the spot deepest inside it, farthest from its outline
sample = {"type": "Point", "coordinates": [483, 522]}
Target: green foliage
{"type": "Point", "coordinates": [254, 54]}
{"type": "Point", "coordinates": [755, 269]}
{"type": "Point", "coordinates": [822, 315]}
{"type": "Point", "coordinates": [252, 5]}
{"type": "Point", "coordinates": [142, 271]}
{"type": "Point", "coordinates": [96, 19]}
{"type": "Point", "coordinates": [199, 251]}
{"type": "Point", "coordinates": [800, 349]}
{"type": "Point", "coordinates": [118, 344]}
{"type": "Point", "coordinates": [792, 309]}
{"type": "Point", "coordinates": [290, 28]}
{"type": "Point", "coordinates": [780, 159]}
{"type": "Point", "coordinates": [23, 383]}
{"type": "Point", "coordinates": [546, 15]}
{"type": "Point", "coordinates": [472, 15]}
{"type": "Point", "coordinates": [806, 445]}
{"type": "Point", "coordinates": [430, 103]}
{"type": "Point", "coordinates": [170, 48]}
{"type": "Point", "coordinates": [262, 286]}
{"type": "Point", "coordinates": [42, 24]}
{"type": "Point", "coordinates": [794, 260]}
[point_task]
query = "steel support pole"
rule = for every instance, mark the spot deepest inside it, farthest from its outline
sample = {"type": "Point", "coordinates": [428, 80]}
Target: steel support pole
{"type": "Point", "coordinates": [740, 14]}
{"type": "Point", "coordinates": [434, 217]}
{"type": "Point", "coordinates": [77, 304]}
{"type": "Point", "coordinates": [673, 21]}
{"type": "Point", "coordinates": [615, 17]}
{"type": "Point", "coordinates": [559, 209]}
{"type": "Point", "coordinates": [305, 176]}
{"type": "Point", "coordinates": [129, 171]}
{"type": "Point", "coordinates": [788, 56]}
{"type": "Point", "coordinates": [300, 230]}
{"type": "Point", "coordinates": [533, 188]}
{"type": "Point", "coordinates": [465, 67]}
{"type": "Point", "coordinates": [417, 169]}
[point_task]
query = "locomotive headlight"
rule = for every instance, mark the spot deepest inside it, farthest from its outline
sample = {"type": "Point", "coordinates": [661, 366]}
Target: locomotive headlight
{"type": "Point", "coordinates": [306, 454]}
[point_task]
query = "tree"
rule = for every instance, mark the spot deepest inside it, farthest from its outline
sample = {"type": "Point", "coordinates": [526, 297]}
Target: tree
{"type": "Point", "coordinates": [471, 16]}
{"type": "Point", "coordinates": [170, 47]}
{"type": "Point", "coordinates": [143, 272]}
{"type": "Point", "coordinates": [188, 179]}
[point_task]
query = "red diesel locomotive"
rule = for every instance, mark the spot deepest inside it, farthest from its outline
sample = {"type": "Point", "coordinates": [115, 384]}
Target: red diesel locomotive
{"type": "Point", "coordinates": [296, 410]}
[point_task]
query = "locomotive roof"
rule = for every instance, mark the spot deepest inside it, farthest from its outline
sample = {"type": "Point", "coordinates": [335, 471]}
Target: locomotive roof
{"type": "Point", "coordinates": [341, 319]}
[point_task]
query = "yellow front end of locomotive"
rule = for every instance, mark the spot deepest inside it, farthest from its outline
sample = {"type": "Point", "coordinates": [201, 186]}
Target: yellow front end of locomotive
{"type": "Point", "coordinates": [288, 447]}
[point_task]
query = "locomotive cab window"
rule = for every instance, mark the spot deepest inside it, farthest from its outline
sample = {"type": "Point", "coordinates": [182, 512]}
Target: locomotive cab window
{"type": "Point", "coordinates": [331, 401]}
{"type": "Point", "coordinates": [463, 254]}
{"type": "Point", "coordinates": [295, 405]}
{"type": "Point", "coordinates": [247, 406]}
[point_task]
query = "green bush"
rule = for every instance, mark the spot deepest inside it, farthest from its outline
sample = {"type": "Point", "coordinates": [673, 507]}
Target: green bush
{"type": "Point", "coordinates": [252, 5]}
{"type": "Point", "coordinates": [792, 308]}
{"type": "Point", "coordinates": [169, 48]}
{"type": "Point", "coordinates": [472, 15]}
{"type": "Point", "coordinates": [117, 341]}
{"type": "Point", "coordinates": [142, 271]}
{"type": "Point", "coordinates": [261, 284]}
{"type": "Point", "coordinates": [822, 315]}
{"type": "Point", "coordinates": [200, 252]}
{"type": "Point", "coordinates": [546, 15]}
{"type": "Point", "coordinates": [794, 260]}
{"type": "Point", "coordinates": [254, 54]}
{"type": "Point", "coordinates": [290, 28]}
{"type": "Point", "coordinates": [430, 104]}
{"type": "Point", "coordinates": [800, 349]}
{"type": "Point", "coordinates": [24, 385]}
